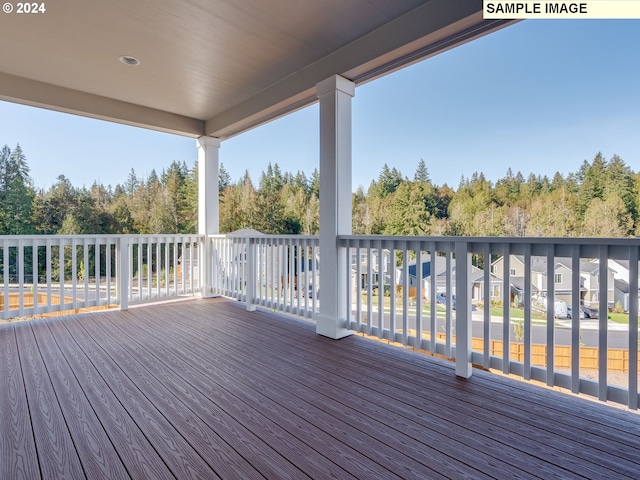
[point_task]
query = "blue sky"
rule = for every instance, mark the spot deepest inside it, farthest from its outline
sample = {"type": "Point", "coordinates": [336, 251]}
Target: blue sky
{"type": "Point", "coordinates": [540, 96]}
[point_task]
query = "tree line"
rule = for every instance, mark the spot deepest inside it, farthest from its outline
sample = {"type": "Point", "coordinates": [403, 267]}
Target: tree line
{"type": "Point", "coordinates": [600, 199]}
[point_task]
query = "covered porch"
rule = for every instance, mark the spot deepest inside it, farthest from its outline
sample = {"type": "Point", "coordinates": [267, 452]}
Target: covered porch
{"type": "Point", "coordinates": [213, 388]}
{"type": "Point", "coordinates": [202, 389]}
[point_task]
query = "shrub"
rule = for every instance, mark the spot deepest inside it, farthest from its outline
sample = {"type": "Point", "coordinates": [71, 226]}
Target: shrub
{"type": "Point", "coordinates": [618, 308]}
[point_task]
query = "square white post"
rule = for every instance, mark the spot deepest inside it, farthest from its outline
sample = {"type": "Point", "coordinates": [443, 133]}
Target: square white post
{"type": "Point", "coordinates": [463, 310]}
{"type": "Point", "coordinates": [250, 274]}
{"type": "Point", "coordinates": [208, 206]}
{"type": "Point", "coordinates": [335, 95]}
{"type": "Point", "coordinates": [123, 260]}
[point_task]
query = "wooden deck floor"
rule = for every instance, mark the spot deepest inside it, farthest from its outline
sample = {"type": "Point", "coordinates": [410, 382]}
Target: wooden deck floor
{"type": "Point", "coordinates": [203, 389]}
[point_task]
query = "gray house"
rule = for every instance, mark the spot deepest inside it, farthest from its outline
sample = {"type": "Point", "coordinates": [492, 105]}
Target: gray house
{"type": "Point", "coordinates": [589, 278]}
{"type": "Point", "coordinates": [423, 273]}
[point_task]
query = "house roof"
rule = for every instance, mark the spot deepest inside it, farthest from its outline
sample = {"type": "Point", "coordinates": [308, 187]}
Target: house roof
{"type": "Point", "coordinates": [539, 264]}
{"type": "Point", "coordinates": [216, 67]}
{"type": "Point", "coordinates": [518, 284]}
{"type": "Point", "coordinates": [621, 285]}
{"type": "Point", "coordinates": [440, 266]}
{"type": "Point", "coordinates": [245, 232]}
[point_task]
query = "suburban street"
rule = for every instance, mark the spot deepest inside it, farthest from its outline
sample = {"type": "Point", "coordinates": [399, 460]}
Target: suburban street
{"type": "Point", "coordinates": [589, 331]}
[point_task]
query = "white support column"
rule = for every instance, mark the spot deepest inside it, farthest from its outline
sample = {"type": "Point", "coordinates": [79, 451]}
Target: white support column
{"type": "Point", "coordinates": [208, 206]}
{"type": "Point", "coordinates": [335, 95]}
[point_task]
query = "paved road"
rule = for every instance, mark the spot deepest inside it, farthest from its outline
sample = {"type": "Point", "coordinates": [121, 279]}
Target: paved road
{"type": "Point", "coordinates": [589, 331]}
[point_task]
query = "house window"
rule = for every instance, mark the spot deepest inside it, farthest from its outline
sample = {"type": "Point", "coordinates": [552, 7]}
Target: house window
{"type": "Point", "coordinates": [557, 278]}
{"type": "Point", "coordinates": [512, 272]}
{"type": "Point", "coordinates": [495, 290]}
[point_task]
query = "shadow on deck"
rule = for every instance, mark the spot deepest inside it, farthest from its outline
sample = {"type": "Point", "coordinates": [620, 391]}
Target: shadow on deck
{"type": "Point", "coordinates": [203, 389]}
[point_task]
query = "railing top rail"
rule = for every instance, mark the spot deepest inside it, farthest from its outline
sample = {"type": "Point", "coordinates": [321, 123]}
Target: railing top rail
{"type": "Point", "coordinates": [497, 240]}
{"type": "Point", "coordinates": [97, 236]}
{"type": "Point", "coordinates": [256, 236]}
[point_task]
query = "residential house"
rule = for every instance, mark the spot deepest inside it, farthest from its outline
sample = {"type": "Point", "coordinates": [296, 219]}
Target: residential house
{"type": "Point", "coordinates": [621, 290]}
{"type": "Point", "coordinates": [380, 265]}
{"type": "Point", "coordinates": [589, 278]}
{"type": "Point", "coordinates": [423, 274]}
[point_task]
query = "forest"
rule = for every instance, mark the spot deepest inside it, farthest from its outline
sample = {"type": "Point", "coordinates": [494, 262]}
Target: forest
{"type": "Point", "coordinates": [600, 199]}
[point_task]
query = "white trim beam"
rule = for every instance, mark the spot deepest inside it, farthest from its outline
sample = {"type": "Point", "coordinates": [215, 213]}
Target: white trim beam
{"type": "Point", "coordinates": [44, 95]}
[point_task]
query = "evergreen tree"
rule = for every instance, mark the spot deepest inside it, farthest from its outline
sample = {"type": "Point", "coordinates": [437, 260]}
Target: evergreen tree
{"type": "Point", "coordinates": [421, 175]}
{"type": "Point", "coordinates": [592, 184]}
{"type": "Point", "coordinates": [224, 178]}
{"type": "Point", "coordinates": [388, 181]}
{"type": "Point", "coordinates": [132, 183]}
{"type": "Point", "coordinates": [16, 193]}
{"type": "Point", "coordinates": [410, 208]}
{"type": "Point", "coordinates": [314, 184]}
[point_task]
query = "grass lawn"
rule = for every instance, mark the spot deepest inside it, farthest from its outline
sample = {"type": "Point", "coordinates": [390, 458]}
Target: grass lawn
{"type": "Point", "coordinates": [622, 318]}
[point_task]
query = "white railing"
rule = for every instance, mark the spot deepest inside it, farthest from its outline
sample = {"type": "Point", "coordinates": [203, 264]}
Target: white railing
{"type": "Point", "coordinates": [45, 274]}
{"type": "Point", "coordinates": [468, 328]}
{"type": "Point", "coordinates": [277, 272]}
{"type": "Point", "coordinates": [162, 267]}
{"type": "Point", "coordinates": [466, 314]}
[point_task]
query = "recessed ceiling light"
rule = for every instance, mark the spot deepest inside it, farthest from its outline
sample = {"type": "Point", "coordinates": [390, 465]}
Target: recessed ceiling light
{"type": "Point", "coordinates": [129, 60]}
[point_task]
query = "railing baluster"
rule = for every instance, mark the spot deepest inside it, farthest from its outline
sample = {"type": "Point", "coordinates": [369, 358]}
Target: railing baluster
{"type": "Point", "coordinates": [97, 272]}
{"type": "Point", "coordinates": [85, 270]}
{"type": "Point", "coordinates": [506, 315]}
{"type": "Point", "coordinates": [350, 283]}
{"type": "Point", "coordinates": [392, 294]}
{"type": "Point", "coordinates": [21, 277]}
{"type": "Point", "coordinates": [5, 274]}
{"type": "Point", "coordinates": [167, 269]}
{"type": "Point", "coordinates": [634, 346]}
{"type": "Point", "coordinates": [486, 324]}
{"type": "Point", "coordinates": [527, 312]}
{"type": "Point", "coordinates": [359, 287]}
{"type": "Point", "coordinates": [448, 314]}
{"type": "Point", "coordinates": [405, 294]}
{"type": "Point", "coordinates": [380, 268]}
{"type": "Point", "coordinates": [575, 319]}
{"type": "Point", "coordinates": [433, 328]}
{"type": "Point", "coordinates": [158, 268]}
{"type": "Point", "coordinates": [34, 274]}
{"type": "Point", "coordinates": [61, 260]}
{"type": "Point", "coordinates": [603, 327]}
{"type": "Point", "coordinates": [251, 275]}
{"type": "Point", "coordinates": [49, 263]}
{"type": "Point", "coordinates": [108, 274]}
{"type": "Point", "coordinates": [369, 291]}
{"type": "Point", "coordinates": [550, 315]}
{"type": "Point", "coordinates": [74, 273]}
{"type": "Point", "coordinates": [418, 250]}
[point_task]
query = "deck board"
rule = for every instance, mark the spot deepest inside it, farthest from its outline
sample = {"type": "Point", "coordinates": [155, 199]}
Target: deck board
{"type": "Point", "coordinates": [57, 453]}
{"type": "Point", "coordinates": [181, 458]}
{"type": "Point", "coordinates": [18, 457]}
{"type": "Point", "coordinates": [95, 451]}
{"type": "Point", "coordinates": [308, 440]}
{"type": "Point", "coordinates": [137, 453]}
{"type": "Point", "coordinates": [204, 389]}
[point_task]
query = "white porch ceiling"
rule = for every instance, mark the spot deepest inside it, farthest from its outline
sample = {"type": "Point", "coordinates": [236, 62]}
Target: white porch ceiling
{"type": "Point", "coordinates": [215, 67]}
